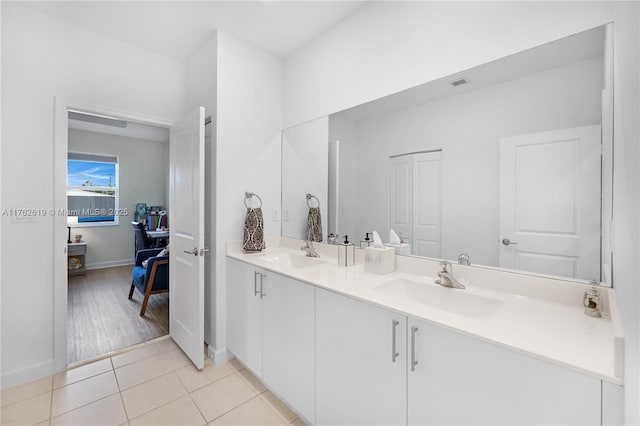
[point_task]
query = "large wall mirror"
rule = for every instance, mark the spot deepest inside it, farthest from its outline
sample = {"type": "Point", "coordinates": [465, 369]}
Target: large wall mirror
{"type": "Point", "coordinates": [508, 163]}
{"type": "Point", "coordinates": [304, 171]}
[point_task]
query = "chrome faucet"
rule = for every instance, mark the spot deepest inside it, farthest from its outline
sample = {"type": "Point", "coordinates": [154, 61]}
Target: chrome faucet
{"type": "Point", "coordinates": [309, 248]}
{"type": "Point", "coordinates": [446, 278]}
{"type": "Point", "coordinates": [463, 259]}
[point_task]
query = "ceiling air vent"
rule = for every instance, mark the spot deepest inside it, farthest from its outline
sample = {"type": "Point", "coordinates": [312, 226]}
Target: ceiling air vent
{"type": "Point", "coordinates": [459, 82]}
{"type": "Point", "coordinates": [98, 119]}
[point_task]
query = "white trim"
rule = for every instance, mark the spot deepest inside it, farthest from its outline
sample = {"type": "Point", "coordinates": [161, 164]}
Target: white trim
{"type": "Point", "coordinates": [115, 222]}
{"type": "Point", "coordinates": [219, 357]}
{"type": "Point", "coordinates": [61, 134]}
{"type": "Point", "coordinates": [61, 146]}
{"type": "Point", "coordinates": [27, 374]}
{"type": "Point", "coordinates": [109, 264]}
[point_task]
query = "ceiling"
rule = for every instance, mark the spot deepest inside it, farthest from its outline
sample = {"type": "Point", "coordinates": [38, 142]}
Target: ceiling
{"type": "Point", "coordinates": [178, 28]}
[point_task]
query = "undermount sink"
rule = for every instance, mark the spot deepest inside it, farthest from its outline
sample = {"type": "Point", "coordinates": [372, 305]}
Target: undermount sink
{"type": "Point", "coordinates": [295, 261]}
{"type": "Point", "coordinates": [443, 298]}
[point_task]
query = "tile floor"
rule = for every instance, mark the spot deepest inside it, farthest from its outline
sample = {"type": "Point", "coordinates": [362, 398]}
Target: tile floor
{"type": "Point", "coordinates": [153, 384]}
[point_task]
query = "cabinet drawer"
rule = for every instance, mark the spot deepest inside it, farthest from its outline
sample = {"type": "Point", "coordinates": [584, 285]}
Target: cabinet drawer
{"type": "Point", "coordinates": [73, 250]}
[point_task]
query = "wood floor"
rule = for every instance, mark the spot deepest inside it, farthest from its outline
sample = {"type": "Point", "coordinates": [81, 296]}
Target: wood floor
{"type": "Point", "coordinates": [101, 319]}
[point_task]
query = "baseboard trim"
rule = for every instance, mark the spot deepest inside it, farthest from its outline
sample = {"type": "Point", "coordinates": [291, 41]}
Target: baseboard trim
{"type": "Point", "coordinates": [219, 357]}
{"type": "Point", "coordinates": [27, 374]}
{"type": "Point", "coordinates": [110, 264]}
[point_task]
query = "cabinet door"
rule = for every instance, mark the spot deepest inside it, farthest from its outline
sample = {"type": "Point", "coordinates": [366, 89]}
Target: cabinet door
{"type": "Point", "coordinates": [461, 380]}
{"type": "Point", "coordinates": [288, 362]}
{"type": "Point", "coordinates": [244, 314]}
{"type": "Point", "coordinates": [358, 380]}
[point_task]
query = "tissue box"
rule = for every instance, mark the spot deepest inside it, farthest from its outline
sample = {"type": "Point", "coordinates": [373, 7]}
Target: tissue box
{"type": "Point", "coordinates": [403, 249]}
{"type": "Point", "coordinates": [379, 260]}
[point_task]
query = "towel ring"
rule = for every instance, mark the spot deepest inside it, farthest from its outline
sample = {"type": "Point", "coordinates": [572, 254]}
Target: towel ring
{"type": "Point", "coordinates": [248, 195]}
{"type": "Point", "coordinates": [309, 197]}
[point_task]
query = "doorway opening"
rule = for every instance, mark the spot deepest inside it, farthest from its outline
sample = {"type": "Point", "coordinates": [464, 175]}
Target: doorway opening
{"type": "Point", "coordinates": [185, 198]}
{"type": "Point", "coordinates": [117, 186]}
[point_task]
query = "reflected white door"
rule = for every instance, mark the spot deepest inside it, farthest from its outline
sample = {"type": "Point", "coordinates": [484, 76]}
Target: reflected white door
{"type": "Point", "coordinates": [426, 204]}
{"type": "Point", "coordinates": [186, 260]}
{"type": "Point", "coordinates": [550, 202]}
{"type": "Point", "coordinates": [401, 195]}
{"type": "Point", "coordinates": [416, 200]}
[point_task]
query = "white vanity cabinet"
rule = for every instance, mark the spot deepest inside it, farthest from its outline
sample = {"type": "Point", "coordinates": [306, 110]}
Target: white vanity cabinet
{"type": "Point", "coordinates": [360, 379]}
{"type": "Point", "coordinates": [337, 360]}
{"type": "Point", "coordinates": [244, 319]}
{"type": "Point", "coordinates": [439, 376]}
{"type": "Point", "coordinates": [270, 329]}
{"type": "Point", "coordinates": [463, 380]}
{"type": "Point", "coordinates": [288, 355]}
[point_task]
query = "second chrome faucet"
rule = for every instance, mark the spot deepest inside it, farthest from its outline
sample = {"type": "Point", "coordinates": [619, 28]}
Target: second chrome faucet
{"type": "Point", "coordinates": [310, 249]}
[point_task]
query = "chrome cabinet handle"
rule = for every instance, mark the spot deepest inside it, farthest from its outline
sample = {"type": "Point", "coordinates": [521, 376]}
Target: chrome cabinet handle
{"type": "Point", "coordinates": [193, 252]}
{"type": "Point", "coordinates": [413, 348]}
{"type": "Point", "coordinates": [255, 283]}
{"type": "Point", "coordinates": [262, 293]}
{"type": "Point", "coordinates": [394, 352]}
{"type": "Point", "coordinates": [507, 242]}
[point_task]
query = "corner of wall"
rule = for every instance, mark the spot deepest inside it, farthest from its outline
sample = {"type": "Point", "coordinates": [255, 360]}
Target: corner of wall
{"type": "Point", "coordinates": [248, 123]}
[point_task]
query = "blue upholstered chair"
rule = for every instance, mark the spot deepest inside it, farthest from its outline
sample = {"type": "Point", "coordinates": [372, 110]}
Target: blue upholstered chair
{"type": "Point", "coordinates": [152, 279]}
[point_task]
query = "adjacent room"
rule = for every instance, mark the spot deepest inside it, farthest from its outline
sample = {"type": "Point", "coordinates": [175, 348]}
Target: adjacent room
{"type": "Point", "coordinates": [118, 174]}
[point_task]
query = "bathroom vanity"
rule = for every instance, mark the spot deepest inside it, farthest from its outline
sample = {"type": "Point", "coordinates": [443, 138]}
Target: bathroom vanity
{"type": "Point", "coordinates": [343, 346]}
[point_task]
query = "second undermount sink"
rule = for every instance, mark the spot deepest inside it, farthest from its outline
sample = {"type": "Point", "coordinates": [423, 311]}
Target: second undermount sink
{"type": "Point", "coordinates": [295, 261]}
{"type": "Point", "coordinates": [456, 301]}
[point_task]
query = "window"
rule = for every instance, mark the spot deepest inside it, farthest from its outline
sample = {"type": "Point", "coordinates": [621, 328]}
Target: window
{"type": "Point", "coordinates": [92, 188]}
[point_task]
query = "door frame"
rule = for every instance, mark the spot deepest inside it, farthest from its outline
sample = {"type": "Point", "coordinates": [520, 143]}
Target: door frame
{"type": "Point", "coordinates": [60, 150]}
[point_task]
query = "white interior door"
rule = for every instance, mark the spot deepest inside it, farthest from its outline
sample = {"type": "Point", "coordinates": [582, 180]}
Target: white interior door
{"type": "Point", "coordinates": [401, 196]}
{"type": "Point", "coordinates": [550, 202]}
{"type": "Point", "coordinates": [416, 201]}
{"type": "Point", "coordinates": [427, 177]}
{"type": "Point", "coordinates": [186, 260]}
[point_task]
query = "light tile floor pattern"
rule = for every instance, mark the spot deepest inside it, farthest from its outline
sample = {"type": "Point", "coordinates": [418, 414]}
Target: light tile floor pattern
{"type": "Point", "coordinates": [153, 384]}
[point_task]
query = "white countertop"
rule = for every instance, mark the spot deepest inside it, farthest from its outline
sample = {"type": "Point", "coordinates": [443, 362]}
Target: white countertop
{"type": "Point", "coordinates": [537, 316]}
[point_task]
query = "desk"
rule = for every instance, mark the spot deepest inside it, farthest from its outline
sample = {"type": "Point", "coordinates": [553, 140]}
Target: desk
{"type": "Point", "coordinates": [156, 236]}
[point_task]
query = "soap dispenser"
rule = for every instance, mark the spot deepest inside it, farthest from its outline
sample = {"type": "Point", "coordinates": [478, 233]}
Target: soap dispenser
{"type": "Point", "coordinates": [346, 253]}
{"type": "Point", "coordinates": [367, 241]}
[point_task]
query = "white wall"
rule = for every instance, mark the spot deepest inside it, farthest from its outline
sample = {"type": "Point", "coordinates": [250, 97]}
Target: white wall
{"type": "Point", "coordinates": [626, 198]}
{"type": "Point", "coordinates": [43, 58]}
{"type": "Point", "coordinates": [202, 68]}
{"type": "Point", "coordinates": [305, 161]}
{"type": "Point", "coordinates": [468, 129]}
{"type": "Point", "coordinates": [143, 168]}
{"type": "Point", "coordinates": [388, 47]}
{"type": "Point", "coordinates": [248, 125]}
